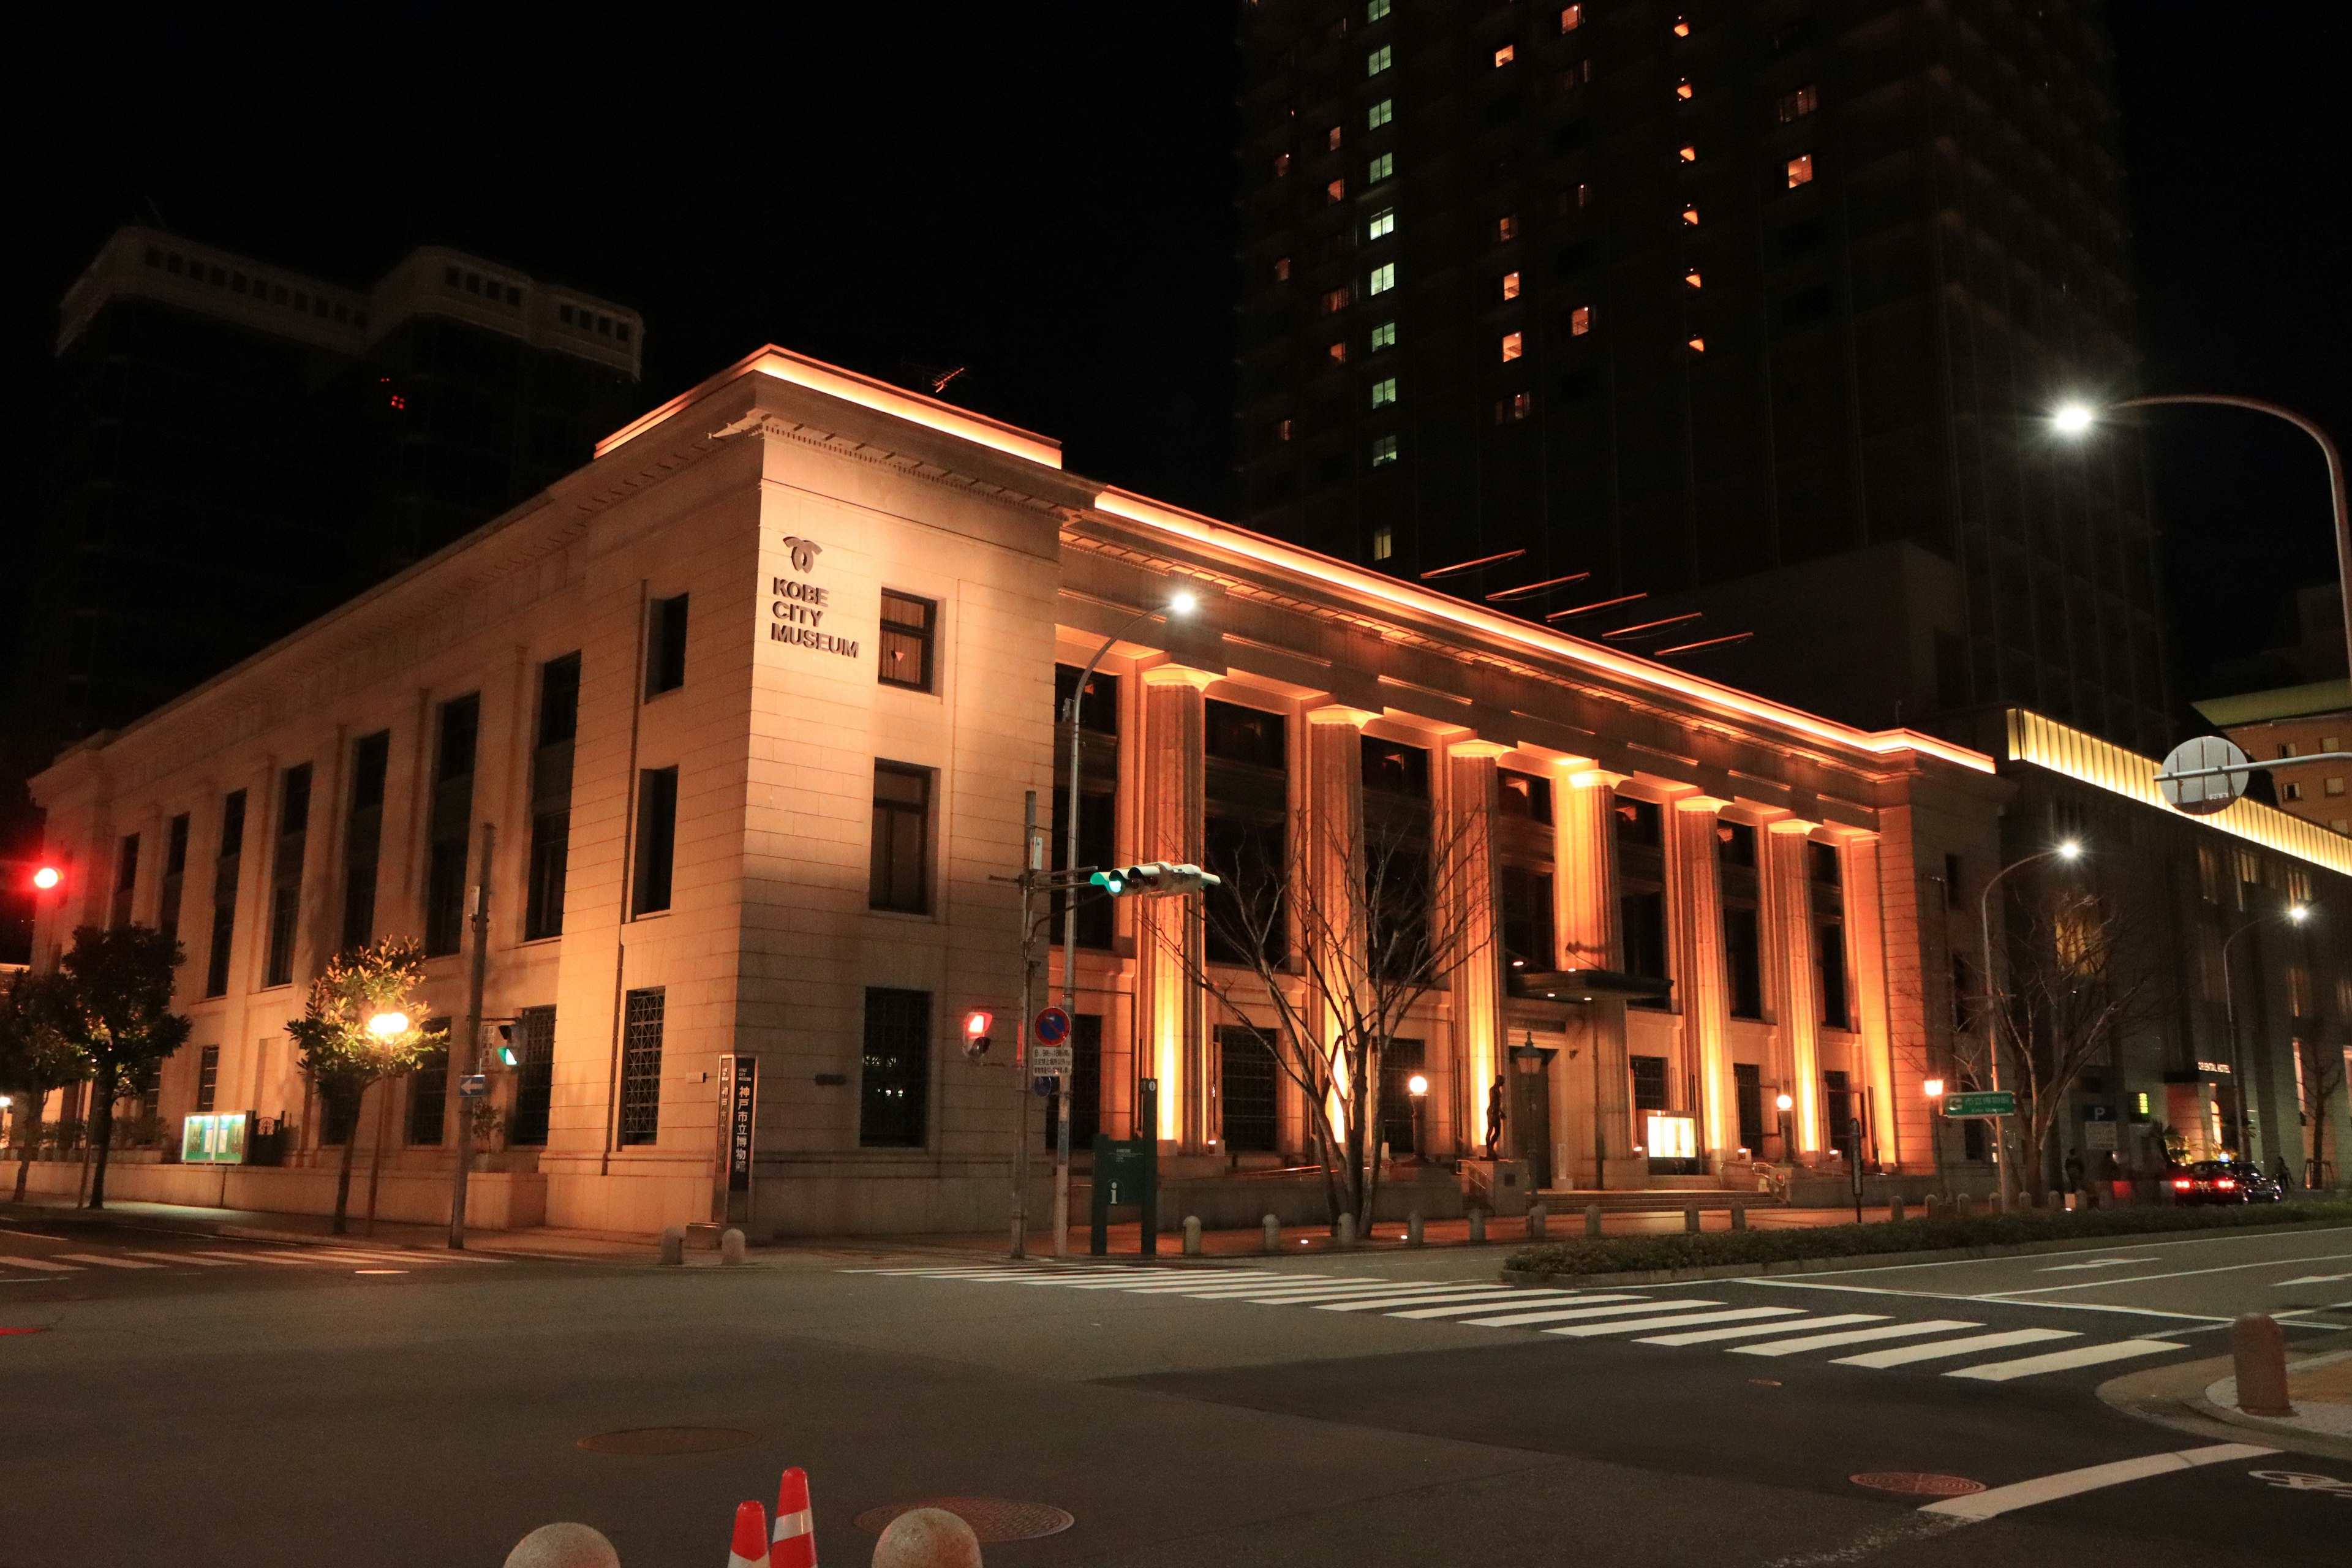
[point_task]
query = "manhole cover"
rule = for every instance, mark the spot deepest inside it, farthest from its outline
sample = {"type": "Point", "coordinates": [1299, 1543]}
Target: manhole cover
{"type": "Point", "coordinates": [667, 1440]}
{"type": "Point", "coordinates": [991, 1519]}
{"type": "Point", "coordinates": [1913, 1483]}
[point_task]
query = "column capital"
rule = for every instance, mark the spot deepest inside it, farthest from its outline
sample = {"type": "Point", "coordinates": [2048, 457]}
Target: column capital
{"type": "Point", "coordinates": [1695, 804]}
{"type": "Point", "coordinates": [1339, 713]}
{"type": "Point", "coordinates": [1179, 675]}
{"type": "Point", "coordinates": [1592, 778]}
{"type": "Point", "coordinates": [1487, 749]}
{"type": "Point", "coordinates": [1791, 826]}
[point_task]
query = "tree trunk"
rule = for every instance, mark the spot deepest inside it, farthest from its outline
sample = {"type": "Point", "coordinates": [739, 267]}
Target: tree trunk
{"type": "Point", "coordinates": [343, 1176]}
{"type": "Point", "coordinates": [101, 1130]}
{"type": "Point", "coordinates": [29, 1140]}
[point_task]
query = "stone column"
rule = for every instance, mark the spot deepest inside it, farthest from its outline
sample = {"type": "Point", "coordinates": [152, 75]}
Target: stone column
{"type": "Point", "coordinates": [1330, 858]}
{"type": "Point", "coordinates": [1866, 941]}
{"type": "Point", "coordinates": [1477, 977]}
{"type": "Point", "coordinates": [1168, 945]}
{"type": "Point", "coordinates": [1788, 892]}
{"type": "Point", "coordinates": [1585, 885]}
{"type": "Point", "coordinates": [1706, 1001]}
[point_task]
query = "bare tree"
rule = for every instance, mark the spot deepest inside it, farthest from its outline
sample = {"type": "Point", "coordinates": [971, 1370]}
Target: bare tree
{"type": "Point", "coordinates": [1336, 937]}
{"type": "Point", "coordinates": [2323, 1076]}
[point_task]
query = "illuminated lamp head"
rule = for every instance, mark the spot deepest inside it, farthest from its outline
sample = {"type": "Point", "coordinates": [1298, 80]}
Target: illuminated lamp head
{"type": "Point", "coordinates": [385, 1024]}
{"type": "Point", "coordinates": [1932, 1088]}
{"type": "Point", "coordinates": [1183, 603]}
{"type": "Point", "coordinates": [2298, 913]}
{"type": "Point", "coordinates": [47, 878]}
{"type": "Point", "coordinates": [2070, 850]}
{"type": "Point", "coordinates": [1783, 1102]}
{"type": "Point", "coordinates": [2071, 418]}
{"type": "Point", "coordinates": [1417, 1085]}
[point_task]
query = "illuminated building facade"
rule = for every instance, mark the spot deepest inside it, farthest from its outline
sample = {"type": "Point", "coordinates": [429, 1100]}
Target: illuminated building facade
{"type": "Point", "coordinates": [1692, 320]}
{"type": "Point", "coordinates": [751, 702]}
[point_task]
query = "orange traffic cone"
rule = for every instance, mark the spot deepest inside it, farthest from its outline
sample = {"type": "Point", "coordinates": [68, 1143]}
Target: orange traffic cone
{"type": "Point", "coordinates": [750, 1546]}
{"type": "Point", "coordinates": [795, 1542]}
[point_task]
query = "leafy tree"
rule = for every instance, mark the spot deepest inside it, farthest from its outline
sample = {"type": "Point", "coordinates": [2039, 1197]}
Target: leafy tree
{"type": "Point", "coordinates": [36, 1057]}
{"type": "Point", "coordinates": [346, 1036]}
{"type": "Point", "coordinates": [116, 996]}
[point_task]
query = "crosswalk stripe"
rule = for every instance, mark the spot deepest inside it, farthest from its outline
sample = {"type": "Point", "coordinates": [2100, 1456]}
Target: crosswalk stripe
{"type": "Point", "coordinates": [1159, 1282]}
{"type": "Point", "coordinates": [1340, 1293]}
{"type": "Point", "coordinates": [1753, 1331]}
{"type": "Point", "coordinates": [1903, 1355]}
{"type": "Point", "coordinates": [1855, 1337]}
{"type": "Point", "coordinates": [2063, 1361]}
{"type": "Point", "coordinates": [188, 1257]}
{"type": "Point", "coordinates": [358, 1255]}
{"type": "Point", "coordinates": [104, 1262]}
{"type": "Point", "coordinates": [279, 1259]}
{"type": "Point", "coordinates": [1219, 1292]}
{"type": "Point", "coordinates": [1517, 1320]}
{"type": "Point", "coordinates": [43, 1264]}
{"type": "Point", "coordinates": [1488, 1293]}
{"type": "Point", "coordinates": [1635, 1325]}
{"type": "Point", "coordinates": [1533, 1298]}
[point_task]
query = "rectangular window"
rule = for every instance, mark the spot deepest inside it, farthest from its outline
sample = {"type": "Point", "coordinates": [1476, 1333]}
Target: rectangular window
{"type": "Point", "coordinates": [1337, 354]}
{"type": "Point", "coordinates": [1801, 170]}
{"type": "Point", "coordinates": [534, 1040]}
{"type": "Point", "coordinates": [1332, 300]}
{"type": "Point", "coordinates": [1512, 347]}
{"type": "Point", "coordinates": [1748, 1094]}
{"type": "Point", "coordinates": [286, 873]}
{"type": "Point", "coordinates": [2333, 786]}
{"type": "Point", "coordinates": [1736, 860]}
{"type": "Point", "coordinates": [1837, 1106]}
{"type": "Point", "coordinates": [1579, 320]}
{"type": "Point", "coordinates": [1384, 278]}
{"type": "Point", "coordinates": [1510, 285]}
{"type": "Point", "coordinates": [451, 826]}
{"type": "Point", "coordinates": [1384, 336]}
{"type": "Point", "coordinates": [207, 1079]}
{"type": "Point", "coordinates": [364, 836]}
{"type": "Point", "coordinates": [1378, 60]}
{"type": "Point", "coordinates": [1512, 409]}
{"type": "Point", "coordinates": [656, 841]}
{"type": "Point", "coordinates": [1650, 1089]}
{"type": "Point", "coordinates": [1951, 879]}
{"type": "Point", "coordinates": [1504, 56]}
{"type": "Point", "coordinates": [1375, 9]}
{"type": "Point", "coordinates": [1797, 104]}
{"type": "Point", "coordinates": [641, 1065]}
{"type": "Point", "coordinates": [909, 626]}
{"type": "Point", "coordinates": [899, 878]}
{"type": "Point", "coordinates": [1383, 394]}
{"type": "Point", "coordinates": [1245, 816]}
{"type": "Point", "coordinates": [1336, 190]}
{"type": "Point", "coordinates": [126, 880]}
{"type": "Point", "coordinates": [1248, 1093]}
{"type": "Point", "coordinates": [1332, 139]}
{"type": "Point", "coordinates": [1282, 270]}
{"type": "Point", "coordinates": [1384, 450]}
{"type": "Point", "coordinates": [1384, 543]}
{"type": "Point", "coordinates": [1382, 167]}
{"type": "Point", "coordinates": [1527, 926]}
{"type": "Point", "coordinates": [1380, 114]}
{"type": "Point", "coordinates": [1400, 1060]}
{"type": "Point", "coordinates": [1641, 887]}
{"type": "Point", "coordinates": [551, 797]}
{"type": "Point", "coordinates": [1097, 797]}
{"type": "Point", "coordinates": [1571, 18]}
{"type": "Point", "coordinates": [428, 1097]}
{"type": "Point", "coordinates": [1383, 223]}
{"type": "Point", "coordinates": [895, 1079]}
{"type": "Point", "coordinates": [1688, 154]}
{"type": "Point", "coordinates": [225, 870]}
{"type": "Point", "coordinates": [1506, 228]}
{"type": "Point", "coordinates": [666, 645]}
{"type": "Point", "coordinates": [175, 873]}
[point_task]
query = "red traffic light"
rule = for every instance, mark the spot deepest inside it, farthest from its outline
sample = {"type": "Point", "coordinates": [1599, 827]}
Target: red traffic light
{"type": "Point", "coordinates": [47, 878]}
{"type": "Point", "coordinates": [976, 1024]}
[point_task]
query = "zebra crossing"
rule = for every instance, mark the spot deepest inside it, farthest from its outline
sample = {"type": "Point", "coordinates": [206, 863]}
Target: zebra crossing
{"type": "Point", "coordinates": [128, 1260]}
{"type": "Point", "coordinates": [1875, 1341]}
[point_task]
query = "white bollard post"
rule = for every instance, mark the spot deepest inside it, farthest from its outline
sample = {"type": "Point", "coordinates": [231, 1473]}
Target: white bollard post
{"type": "Point", "coordinates": [1895, 1209]}
{"type": "Point", "coordinates": [1272, 1227]}
{"type": "Point", "coordinates": [1343, 1234]}
{"type": "Point", "coordinates": [1191, 1235]}
{"type": "Point", "coordinates": [673, 1245]}
{"type": "Point", "coordinates": [730, 1246]}
{"type": "Point", "coordinates": [1412, 1228]}
{"type": "Point", "coordinates": [1477, 1224]}
{"type": "Point", "coordinates": [563, 1546]}
{"type": "Point", "coordinates": [1593, 1219]}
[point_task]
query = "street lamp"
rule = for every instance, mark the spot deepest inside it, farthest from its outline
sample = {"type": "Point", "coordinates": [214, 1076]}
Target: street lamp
{"type": "Point", "coordinates": [1417, 1086]}
{"type": "Point", "coordinates": [2070, 850]}
{"type": "Point", "coordinates": [1179, 603]}
{"type": "Point", "coordinates": [2075, 419]}
{"type": "Point", "coordinates": [388, 1025]}
{"type": "Point", "coordinates": [2294, 914]}
{"type": "Point", "coordinates": [1934, 1089]}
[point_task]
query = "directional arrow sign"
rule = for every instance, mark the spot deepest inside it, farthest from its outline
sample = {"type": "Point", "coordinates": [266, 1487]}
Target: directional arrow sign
{"type": "Point", "coordinates": [1990, 1102]}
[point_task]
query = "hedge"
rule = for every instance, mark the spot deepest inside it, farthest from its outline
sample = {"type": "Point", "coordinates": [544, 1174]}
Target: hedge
{"type": "Point", "coordinates": [1634, 1254]}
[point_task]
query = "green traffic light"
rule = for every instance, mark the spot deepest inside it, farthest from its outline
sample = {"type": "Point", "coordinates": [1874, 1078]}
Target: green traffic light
{"type": "Point", "coordinates": [1111, 880]}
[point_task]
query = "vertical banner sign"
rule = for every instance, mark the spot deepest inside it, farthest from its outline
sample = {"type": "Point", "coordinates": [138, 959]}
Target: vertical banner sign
{"type": "Point", "coordinates": [742, 1105]}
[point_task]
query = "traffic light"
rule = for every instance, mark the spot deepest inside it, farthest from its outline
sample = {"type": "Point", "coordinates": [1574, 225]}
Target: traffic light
{"type": "Point", "coordinates": [1153, 879]}
{"type": "Point", "coordinates": [976, 1025]}
{"type": "Point", "coordinates": [47, 878]}
{"type": "Point", "coordinates": [503, 1048]}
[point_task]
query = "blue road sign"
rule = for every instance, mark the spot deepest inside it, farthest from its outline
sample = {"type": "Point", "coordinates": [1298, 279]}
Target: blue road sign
{"type": "Point", "coordinates": [1053, 1027]}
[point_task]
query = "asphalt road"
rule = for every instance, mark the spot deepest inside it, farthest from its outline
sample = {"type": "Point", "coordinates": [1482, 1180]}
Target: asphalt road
{"type": "Point", "coordinates": [241, 1403]}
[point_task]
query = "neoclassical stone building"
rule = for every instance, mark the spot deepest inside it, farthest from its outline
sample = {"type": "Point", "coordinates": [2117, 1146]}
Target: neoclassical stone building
{"type": "Point", "coordinates": [745, 711]}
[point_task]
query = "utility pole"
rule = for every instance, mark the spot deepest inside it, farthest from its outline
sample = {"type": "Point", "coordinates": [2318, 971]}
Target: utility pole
{"type": "Point", "coordinates": [1032, 854]}
{"type": "Point", "coordinates": [468, 1053]}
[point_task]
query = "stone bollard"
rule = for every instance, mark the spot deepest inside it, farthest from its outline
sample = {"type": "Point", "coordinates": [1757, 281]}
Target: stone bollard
{"type": "Point", "coordinates": [1690, 1218]}
{"type": "Point", "coordinates": [1897, 1210]}
{"type": "Point", "coordinates": [2258, 1349]}
{"type": "Point", "coordinates": [1536, 1217]}
{"type": "Point", "coordinates": [1272, 1228]}
{"type": "Point", "coordinates": [730, 1246]}
{"type": "Point", "coordinates": [1191, 1235]}
{"type": "Point", "coordinates": [673, 1245]}
{"type": "Point", "coordinates": [1477, 1224]}
{"type": "Point", "coordinates": [1412, 1228]}
{"type": "Point", "coordinates": [926, 1538]}
{"type": "Point", "coordinates": [1739, 1216]}
{"type": "Point", "coordinates": [1593, 1219]}
{"type": "Point", "coordinates": [1343, 1234]}
{"type": "Point", "coordinates": [563, 1546]}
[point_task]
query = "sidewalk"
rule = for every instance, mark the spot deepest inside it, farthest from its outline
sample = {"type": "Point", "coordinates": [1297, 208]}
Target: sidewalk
{"type": "Point", "coordinates": [255, 1224]}
{"type": "Point", "coordinates": [2201, 1396]}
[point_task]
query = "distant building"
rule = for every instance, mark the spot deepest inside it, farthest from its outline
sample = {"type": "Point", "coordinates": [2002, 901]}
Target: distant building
{"type": "Point", "coordinates": [2296, 721]}
{"type": "Point", "coordinates": [1678, 322]}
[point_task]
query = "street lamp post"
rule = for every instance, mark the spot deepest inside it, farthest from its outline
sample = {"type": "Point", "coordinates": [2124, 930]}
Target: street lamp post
{"type": "Point", "coordinates": [1178, 603]}
{"type": "Point", "coordinates": [2070, 850]}
{"type": "Point", "coordinates": [1934, 1089]}
{"type": "Point", "coordinates": [1417, 1086]}
{"type": "Point", "coordinates": [2294, 914]}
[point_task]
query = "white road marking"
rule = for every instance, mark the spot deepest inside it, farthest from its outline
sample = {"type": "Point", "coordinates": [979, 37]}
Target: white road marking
{"type": "Point", "coordinates": [1793, 1283]}
{"type": "Point", "coordinates": [43, 1264]}
{"type": "Point", "coordinates": [2096, 1263]}
{"type": "Point", "coordinates": [1855, 1337]}
{"type": "Point", "coordinates": [2312, 1279]}
{"type": "Point", "coordinates": [279, 1259]}
{"type": "Point", "coordinates": [1671, 1320]}
{"type": "Point", "coordinates": [104, 1262]}
{"type": "Point", "coordinates": [1260, 1288]}
{"type": "Point", "coordinates": [1515, 1320]}
{"type": "Point", "coordinates": [1534, 1298]}
{"type": "Point", "coordinates": [1337, 1293]}
{"type": "Point", "coordinates": [2063, 1361]}
{"type": "Point", "coordinates": [1802, 1325]}
{"type": "Point", "coordinates": [1979, 1506]}
{"type": "Point", "coordinates": [185, 1258]}
{"type": "Point", "coordinates": [1903, 1355]}
{"type": "Point", "coordinates": [1473, 1293]}
{"type": "Point", "coordinates": [2171, 1274]}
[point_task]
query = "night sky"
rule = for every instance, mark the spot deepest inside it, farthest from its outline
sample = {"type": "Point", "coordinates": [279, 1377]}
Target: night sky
{"type": "Point", "coordinates": [1042, 193]}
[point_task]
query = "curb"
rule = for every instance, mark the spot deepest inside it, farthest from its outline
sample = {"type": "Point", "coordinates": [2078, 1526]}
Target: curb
{"type": "Point", "coordinates": [177, 1225]}
{"type": "Point", "coordinates": [2174, 1397]}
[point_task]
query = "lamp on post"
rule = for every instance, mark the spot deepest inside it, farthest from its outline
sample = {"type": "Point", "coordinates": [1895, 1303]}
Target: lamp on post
{"type": "Point", "coordinates": [2068, 851]}
{"type": "Point", "coordinates": [1934, 1089]}
{"type": "Point", "coordinates": [1417, 1086]}
{"type": "Point", "coordinates": [1782, 1104]}
{"type": "Point", "coordinates": [2294, 914]}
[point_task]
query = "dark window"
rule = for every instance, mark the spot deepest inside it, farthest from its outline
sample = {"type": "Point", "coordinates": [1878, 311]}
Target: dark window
{"type": "Point", "coordinates": [1097, 797]}
{"type": "Point", "coordinates": [901, 875]}
{"type": "Point", "coordinates": [641, 1063]}
{"type": "Point", "coordinates": [364, 836]}
{"type": "Point", "coordinates": [428, 1097]}
{"type": "Point", "coordinates": [908, 624]}
{"type": "Point", "coordinates": [1641, 887]}
{"type": "Point", "coordinates": [126, 880]}
{"type": "Point", "coordinates": [1748, 1093]}
{"type": "Point", "coordinates": [1098, 714]}
{"type": "Point", "coordinates": [451, 826]}
{"type": "Point", "coordinates": [1523, 796]}
{"type": "Point", "coordinates": [1234, 733]}
{"type": "Point", "coordinates": [1964, 995]}
{"type": "Point", "coordinates": [895, 1082]}
{"type": "Point", "coordinates": [665, 647]}
{"type": "Point", "coordinates": [1245, 831]}
{"type": "Point", "coordinates": [1528, 942]}
{"type": "Point", "coordinates": [551, 797]}
{"type": "Point", "coordinates": [226, 870]}
{"type": "Point", "coordinates": [1086, 1085]}
{"type": "Point", "coordinates": [1246, 1075]}
{"type": "Point", "coordinates": [1394, 768]}
{"type": "Point", "coordinates": [286, 873]}
{"type": "Point", "coordinates": [207, 1079]}
{"type": "Point", "coordinates": [1951, 880]}
{"type": "Point", "coordinates": [1828, 893]}
{"type": "Point", "coordinates": [1399, 1061]}
{"type": "Point", "coordinates": [175, 873]}
{"type": "Point", "coordinates": [1649, 1083]}
{"type": "Point", "coordinates": [1837, 1104]}
{"type": "Point", "coordinates": [656, 841]}
{"type": "Point", "coordinates": [534, 1039]}
{"type": "Point", "coordinates": [1743, 935]}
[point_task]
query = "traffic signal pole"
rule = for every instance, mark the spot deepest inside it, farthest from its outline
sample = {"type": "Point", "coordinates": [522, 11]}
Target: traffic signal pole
{"type": "Point", "coordinates": [1033, 846]}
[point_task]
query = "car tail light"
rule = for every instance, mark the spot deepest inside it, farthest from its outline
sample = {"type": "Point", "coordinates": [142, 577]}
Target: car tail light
{"type": "Point", "coordinates": [2182, 1183]}
{"type": "Point", "coordinates": [2225, 1181]}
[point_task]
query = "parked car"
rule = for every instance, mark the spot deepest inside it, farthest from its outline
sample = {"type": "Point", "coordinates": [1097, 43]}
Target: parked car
{"type": "Point", "coordinates": [2223, 1181]}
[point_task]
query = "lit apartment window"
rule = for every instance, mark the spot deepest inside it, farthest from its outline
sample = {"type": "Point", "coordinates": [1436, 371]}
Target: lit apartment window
{"type": "Point", "coordinates": [1383, 223]}
{"type": "Point", "coordinates": [1331, 140]}
{"type": "Point", "coordinates": [2334, 787]}
{"type": "Point", "coordinates": [1333, 299]}
{"type": "Point", "coordinates": [1690, 216]}
{"type": "Point", "coordinates": [1380, 114]}
{"type": "Point", "coordinates": [1571, 18]}
{"type": "Point", "coordinates": [1579, 320]}
{"type": "Point", "coordinates": [1384, 543]}
{"type": "Point", "coordinates": [1512, 347]}
{"type": "Point", "coordinates": [1337, 191]}
{"type": "Point", "coordinates": [1697, 343]}
{"type": "Point", "coordinates": [1801, 170]}
{"type": "Point", "coordinates": [1378, 60]}
{"type": "Point", "coordinates": [1513, 409]}
{"type": "Point", "coordinates": [1281, 165]}
{"type": "Point", "coordinates": [1384, 336]}
{"type": "Point", "coordinates": [1375, 9]}
{"type": "Point", "coordinates": [1384, 450]}
{"type": "Point", "coordinates": [2331, 742]}
{"type": "Point", "coordinates": [1384, 278]}
{"type": "Point", "coordinates": [2342, 825]}
{"type": "Point", "coordinates": [1688, 154]}
{"type": "Point", "coordinates": [1691, 279]}
{"type": "Point", "coordinates": [1510, 285]}
{"type": "Point", "coordinates": [1682, 27]}
{"type": "Point", "coordinates": [1384, 392]}
{"type": "Point", "coordinates": [1338, 353]}
{"type": "Point", "coordinates": [1282, 270]}
{"type": "Point", "coordinates": [1380, 169]}
{"type": "Point", "coordinates": [1583, 194]}
{"type": "Point", "coordinates": [1683, 89]}
{"type": "Point", "coordinates": [1504, 55]}
{"type": "Point", "coordinates": [1282, 429]}
{"type": "Point", "coordinates": [1506, 228]}
{"type": "Point", "coordinates": [1797, 104]}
